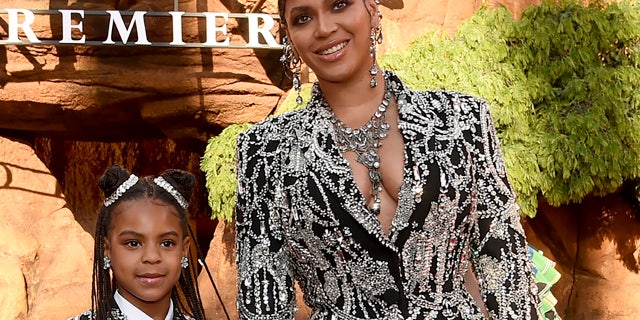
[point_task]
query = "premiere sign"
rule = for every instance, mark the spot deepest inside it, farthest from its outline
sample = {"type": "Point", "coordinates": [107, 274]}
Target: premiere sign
{"type": "Point", "coordinates": [20, 30]}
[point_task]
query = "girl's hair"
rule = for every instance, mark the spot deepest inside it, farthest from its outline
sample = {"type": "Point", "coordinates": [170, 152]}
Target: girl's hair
{"type": "Point", "coordinates": [185, 293]}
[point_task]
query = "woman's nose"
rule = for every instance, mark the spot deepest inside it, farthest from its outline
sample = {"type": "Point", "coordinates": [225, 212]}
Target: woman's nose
{"type": "Point", "coordinates": [325, 26]}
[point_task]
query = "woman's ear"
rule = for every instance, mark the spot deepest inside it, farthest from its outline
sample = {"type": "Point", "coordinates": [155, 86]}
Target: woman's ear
{"type": "Point", "coordinates": [374, 12]}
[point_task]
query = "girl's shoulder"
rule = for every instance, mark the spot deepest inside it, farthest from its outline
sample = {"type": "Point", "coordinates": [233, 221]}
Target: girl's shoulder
{"type": "Point", "coordinates": [179, 315]}
{"type": "Point", "coordinates": [87, 315]}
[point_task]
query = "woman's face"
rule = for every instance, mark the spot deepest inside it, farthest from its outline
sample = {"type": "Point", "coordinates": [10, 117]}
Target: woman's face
{"type": "Point", "coordinates": [332, 36]}
{"type": "Point", "coordinates": [145, 244]}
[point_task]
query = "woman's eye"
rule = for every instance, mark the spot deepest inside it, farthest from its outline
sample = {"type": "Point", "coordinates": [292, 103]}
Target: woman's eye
{"type": "Point", "coordinates": [168, 243]}
{"type": "Point", "coordinates": [301, 19]}
{"type": "Point", "coordinates": [340, 4]}
{"type": "Point", "coordinates": [133, 243]}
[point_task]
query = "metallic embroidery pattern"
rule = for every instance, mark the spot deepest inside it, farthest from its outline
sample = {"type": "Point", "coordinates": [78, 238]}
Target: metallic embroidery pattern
{"type": "Point", "coordinates": [300, 217]}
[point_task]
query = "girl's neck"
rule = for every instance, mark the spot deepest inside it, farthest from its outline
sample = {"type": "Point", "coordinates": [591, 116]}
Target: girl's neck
{"type": "Point", "coordinates": [354, 102]}
{"type": "Point", "coordinates": [157, 310]}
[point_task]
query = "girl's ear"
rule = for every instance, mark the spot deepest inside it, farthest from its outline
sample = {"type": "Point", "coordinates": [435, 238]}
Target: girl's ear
{"type": "Point", "coordinates": [107, 247]}
{"type": "Point", "coordinates": [186, 244]}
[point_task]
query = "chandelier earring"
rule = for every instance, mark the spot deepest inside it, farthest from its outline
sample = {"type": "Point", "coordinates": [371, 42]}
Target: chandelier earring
{"type": "Point", "coordinates": [292, 64]}
{"type": "Point", "coordinates": [106, 263]}
{"type": "Point", "coordinates": [376, 39]}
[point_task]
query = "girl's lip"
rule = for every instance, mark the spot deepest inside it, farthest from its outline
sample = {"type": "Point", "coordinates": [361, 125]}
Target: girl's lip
{"type": "Point", "coordinates": [151, 279]}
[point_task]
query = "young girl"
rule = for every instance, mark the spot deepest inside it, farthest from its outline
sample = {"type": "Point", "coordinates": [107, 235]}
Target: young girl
{"type": "Point", "coordinates": [143, 267]}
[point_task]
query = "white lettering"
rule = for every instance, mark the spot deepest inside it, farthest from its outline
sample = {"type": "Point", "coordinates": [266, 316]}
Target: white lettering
{"type": "Point", "coordinates": [176, 22]}
{"type": "Point", "coordinates": [137, 20]}
{"type": "Point", "coordinates": [212, 29]}
{"type": "Point", "coordinates": [67, 26]}
{"type": "Point", "coordinates": [20, 29]}
{"type": "Point", "coordinates": [265, 30]}
{"type": "Point", "coordinates": [14, 25]}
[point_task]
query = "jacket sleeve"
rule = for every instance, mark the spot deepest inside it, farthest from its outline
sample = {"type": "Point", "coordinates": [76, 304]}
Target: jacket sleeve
{"type": "Point", "coordinates": [499, 253]}
{"type": "Point", "coordinates": [265, 281]}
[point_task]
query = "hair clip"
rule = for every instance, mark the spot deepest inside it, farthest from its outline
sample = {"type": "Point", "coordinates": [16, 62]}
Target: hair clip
{"type": "Point", "coordinates": [133, 179]}
{"type": "Point", "coordinates": [162, 183]}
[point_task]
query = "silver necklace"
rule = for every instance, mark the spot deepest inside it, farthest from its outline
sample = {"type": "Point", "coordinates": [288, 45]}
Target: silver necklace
{"type": "Point", "coordinates": [365, 142]}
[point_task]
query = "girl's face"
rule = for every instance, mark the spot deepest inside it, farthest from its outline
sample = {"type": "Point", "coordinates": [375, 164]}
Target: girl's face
{"type": "Point", "coordinates": [332, 36]}
{"type": "Point", "coordinates": [145, 245]}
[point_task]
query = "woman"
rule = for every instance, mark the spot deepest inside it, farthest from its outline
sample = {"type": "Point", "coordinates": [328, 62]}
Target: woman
{"type": "Point", "coordinates": [376, 199]}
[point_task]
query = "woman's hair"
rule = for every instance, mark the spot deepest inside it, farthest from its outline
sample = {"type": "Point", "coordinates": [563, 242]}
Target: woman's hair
{"type": "Point", "coordinates": [185, 293]}
{"type": "Point", "coordinates": [281, 4]}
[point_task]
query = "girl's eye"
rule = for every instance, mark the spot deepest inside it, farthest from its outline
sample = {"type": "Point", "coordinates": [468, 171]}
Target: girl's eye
{"type": "Point", "coordinates": [167, 243]}
{"type": "Point", "coordinates": [133, 243]}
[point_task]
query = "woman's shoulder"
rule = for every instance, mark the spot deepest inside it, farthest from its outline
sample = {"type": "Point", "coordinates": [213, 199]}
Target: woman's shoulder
{"type": "Point", "coordinates": [450, 107]}
{"type": "Point", "coordinates": [87, 315]}
{"type": "Point", "coordinates": [453, 101]}
{"type": "Point", "coordinates": [275, 128]}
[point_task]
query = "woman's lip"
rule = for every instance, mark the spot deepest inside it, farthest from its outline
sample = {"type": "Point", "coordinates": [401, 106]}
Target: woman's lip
{"type": "Point", "coordinates": [334, 55]}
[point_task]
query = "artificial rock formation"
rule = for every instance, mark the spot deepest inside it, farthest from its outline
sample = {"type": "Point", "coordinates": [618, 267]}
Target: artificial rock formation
{"type": "Point", "coordinates": [79, 109]}
{"type": "Point", "coordinates": [45, 256]}
{"type": "Point", "coordinates": [109, 93]}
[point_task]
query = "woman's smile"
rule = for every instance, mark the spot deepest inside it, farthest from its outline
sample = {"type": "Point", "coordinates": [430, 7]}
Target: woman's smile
{"type": "Point", "coordinates": [333, 49]}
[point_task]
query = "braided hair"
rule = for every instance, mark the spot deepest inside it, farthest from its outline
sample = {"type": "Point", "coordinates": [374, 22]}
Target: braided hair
{"type": "Point", "coordinates": [186, 292]}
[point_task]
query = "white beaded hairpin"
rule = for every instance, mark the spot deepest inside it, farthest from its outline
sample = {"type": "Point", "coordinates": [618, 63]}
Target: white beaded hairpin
{"type": "Point", "coordinates": [162, 183]}
{"type": "Point", "coordinates": [133, 179]}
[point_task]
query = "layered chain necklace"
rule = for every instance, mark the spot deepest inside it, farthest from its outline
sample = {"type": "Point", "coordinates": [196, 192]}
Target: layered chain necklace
{"type": "Point", "coordinates": [365, 142]}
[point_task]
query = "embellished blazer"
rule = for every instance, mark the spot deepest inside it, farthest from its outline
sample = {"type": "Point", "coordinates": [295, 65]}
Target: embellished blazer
{"type": "Point", "coordinates": [300, 217]}
{"type": "Point", "coordinates": [116, 314]}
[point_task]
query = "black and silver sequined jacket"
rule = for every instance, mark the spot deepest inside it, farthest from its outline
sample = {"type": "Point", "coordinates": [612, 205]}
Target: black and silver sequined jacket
{"type": "Point", "coordinates": [116, 314]}
{"type": "Point", "coordinates": [300, 215]}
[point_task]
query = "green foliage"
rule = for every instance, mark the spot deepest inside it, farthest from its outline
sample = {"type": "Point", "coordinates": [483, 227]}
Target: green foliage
{"type": "Point", "coordinates": [218, 163]}
{"type": "Point", "coordinates": [219, 160]}
{"type": "Point", "coordinates": [563, 83]}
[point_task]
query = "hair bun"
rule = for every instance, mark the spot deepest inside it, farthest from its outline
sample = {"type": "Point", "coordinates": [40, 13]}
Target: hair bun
{"type": "Point", "coordinates": [112, 178]}
{"type": "Point", "coordinates": [183, 181]}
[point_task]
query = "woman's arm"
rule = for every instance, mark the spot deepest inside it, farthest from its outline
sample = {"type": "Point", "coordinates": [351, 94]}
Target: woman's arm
{"type": "Point", "coordinates": [499, 253]}
{"type": "Point", "coordinates": [265, 281]}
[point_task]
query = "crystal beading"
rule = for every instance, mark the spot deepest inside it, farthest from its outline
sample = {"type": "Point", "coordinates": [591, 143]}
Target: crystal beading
{"type": "Point", "coordinates": [365, 142]}
{"type": "Point", "coordinates": [162, 183]}
{"type": "Point", "coordinates": [133, 179]}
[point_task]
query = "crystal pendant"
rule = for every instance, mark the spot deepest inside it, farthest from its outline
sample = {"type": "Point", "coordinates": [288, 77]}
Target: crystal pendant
{"type": "Point", "coordinates": [375, 208]}
{"type": "Point", "coordinates": [299, 100]}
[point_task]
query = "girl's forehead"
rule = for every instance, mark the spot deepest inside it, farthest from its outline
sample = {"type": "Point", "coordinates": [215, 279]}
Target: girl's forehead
{"type": "Point", "coordinates": [146, 215]}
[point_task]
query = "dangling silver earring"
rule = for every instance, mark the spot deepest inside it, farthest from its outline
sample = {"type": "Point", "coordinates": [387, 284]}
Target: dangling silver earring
{"type": "Point", "coordinates": [376, 39]}
{"type": "Point", "coordinates": [184, 262]}
{"type": "Point", "coordinates": [292, 64]}
{"type": "Point", "coordinates": [106, 263]}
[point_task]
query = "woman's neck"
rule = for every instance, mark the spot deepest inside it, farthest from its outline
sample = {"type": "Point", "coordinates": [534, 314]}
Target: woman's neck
{"type": "Point", "coordinates": [354, 102]}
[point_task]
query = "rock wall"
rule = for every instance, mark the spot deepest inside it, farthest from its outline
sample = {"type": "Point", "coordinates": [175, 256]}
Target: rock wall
{"type": "Point", "coordinates": [597, 246]}
{"type": "Point", "coordinates": [73, 111]}
{"type": "Point", "coordinates": [45, 256]}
